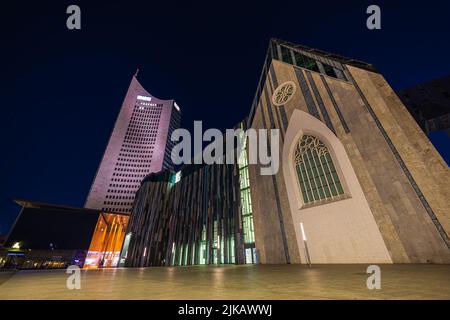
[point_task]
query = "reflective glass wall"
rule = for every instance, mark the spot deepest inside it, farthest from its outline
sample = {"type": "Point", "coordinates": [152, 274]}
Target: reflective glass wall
{"type": "Point", "coordinates": [107, 240]}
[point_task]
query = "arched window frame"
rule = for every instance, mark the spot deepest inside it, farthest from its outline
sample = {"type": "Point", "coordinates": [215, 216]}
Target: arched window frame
{"type": "Point", "coordinates": [319, 182]}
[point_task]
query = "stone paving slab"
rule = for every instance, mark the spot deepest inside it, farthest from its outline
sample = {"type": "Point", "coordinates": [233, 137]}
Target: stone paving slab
{"type": "Point", "coordinates": [233, 282]}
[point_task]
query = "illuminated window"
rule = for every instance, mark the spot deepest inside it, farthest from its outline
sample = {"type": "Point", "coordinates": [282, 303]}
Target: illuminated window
{"type": "Point", "coordinates": [316, 172]}
{"type": "Point", "coordinates": [246, 200]}
{"type": "Point", "coordinates": [144, 98]}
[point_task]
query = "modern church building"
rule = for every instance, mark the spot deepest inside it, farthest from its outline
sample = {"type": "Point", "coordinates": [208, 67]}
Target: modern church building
{"type": "Point", "coordinates": [139, 144]}
{"type": "Point", "coordinates": [359, 181]}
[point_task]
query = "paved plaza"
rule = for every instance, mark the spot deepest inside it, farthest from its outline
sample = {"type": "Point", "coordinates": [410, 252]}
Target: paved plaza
{"type": "Point", "coordinates": [233, 282]}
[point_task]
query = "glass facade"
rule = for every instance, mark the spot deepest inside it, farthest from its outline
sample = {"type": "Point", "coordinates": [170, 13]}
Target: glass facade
{"type": "Point", "coordinates": [107, 241]}
{"type": "Point", "coordinates": [316, 172]}
{"type": "Point", "coordinates": [200, 215]}
{"type": "Point", "coordinates": [124, 252]}
{"type": "Point", "coordinates": [187, 218]}
{"type": "Point", "coordinates": [286, 55]}
{"type": "Point", "coordinates": [308, 61]}
{"type": "Point", "coordinates": [246, 210]}
{"type": "Point", "coordinates": [304, 61]}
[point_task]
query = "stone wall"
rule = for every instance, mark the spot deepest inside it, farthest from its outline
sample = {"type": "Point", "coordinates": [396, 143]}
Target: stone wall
{"type": "Point", "coordinates": [403, 178]}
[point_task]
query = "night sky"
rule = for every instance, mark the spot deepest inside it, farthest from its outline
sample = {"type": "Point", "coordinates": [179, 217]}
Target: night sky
{"type": "Point", "coordinates": [63, 88]}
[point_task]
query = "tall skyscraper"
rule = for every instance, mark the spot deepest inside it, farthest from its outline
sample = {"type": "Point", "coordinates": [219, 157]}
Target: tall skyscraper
{"type": "Point", "coordinates": [139, 144]}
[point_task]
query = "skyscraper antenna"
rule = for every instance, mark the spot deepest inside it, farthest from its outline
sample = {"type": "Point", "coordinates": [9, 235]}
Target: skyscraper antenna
{"type": "Point", "coordinates": [137, 71]}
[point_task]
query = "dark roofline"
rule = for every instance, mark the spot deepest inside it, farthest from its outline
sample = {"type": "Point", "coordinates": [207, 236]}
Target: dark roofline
{"type": "Point", "coordinates": [43, 205]}
{"type": "Point", "coordinates": [37, 204]}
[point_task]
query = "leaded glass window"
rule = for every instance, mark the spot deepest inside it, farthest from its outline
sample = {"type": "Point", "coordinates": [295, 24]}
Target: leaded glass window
{"type": "Point", "coordinates": [316, 172]}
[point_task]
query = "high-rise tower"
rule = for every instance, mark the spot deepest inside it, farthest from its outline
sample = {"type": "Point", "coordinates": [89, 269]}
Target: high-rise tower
{"type": "Point", "coordinates": [139, 144]}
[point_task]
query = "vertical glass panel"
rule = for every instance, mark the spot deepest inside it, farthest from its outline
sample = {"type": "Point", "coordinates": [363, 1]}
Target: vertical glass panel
{"type": "Point", "coordinates": [248, 256]}
{"type": "Point", "coordinates": [248, 234]}
{"type": "Point", "coordinates": [255, 256]}
{"type": "Point", "coordinates": [203, 252]}
{"type": "Point", "coordinates": [286, 55]}
{"type": "Point", "coordinates": [299, 59]}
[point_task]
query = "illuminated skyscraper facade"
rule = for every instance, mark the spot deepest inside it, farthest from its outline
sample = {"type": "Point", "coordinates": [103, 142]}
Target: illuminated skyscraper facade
{"type": "Point", "coordinates": [139, 144]}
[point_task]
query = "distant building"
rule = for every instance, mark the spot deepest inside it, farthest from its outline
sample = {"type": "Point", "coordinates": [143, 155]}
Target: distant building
{"type": "Point", "coordinates": [359, 181]}
{"type": "Point", "coordinates": [429, 104]}
{"type": "Point", "coordinates": [139, 144]}
{"type": "Point", "coordinates": [47, 236]}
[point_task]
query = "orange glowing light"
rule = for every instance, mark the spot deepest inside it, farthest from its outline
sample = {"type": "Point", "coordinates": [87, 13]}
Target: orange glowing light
{"type": "Point", "coordinates": [106, 243]}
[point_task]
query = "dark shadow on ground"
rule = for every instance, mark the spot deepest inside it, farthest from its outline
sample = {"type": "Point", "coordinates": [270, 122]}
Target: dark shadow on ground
{"type": "Point", "coordinates": [6, 275]}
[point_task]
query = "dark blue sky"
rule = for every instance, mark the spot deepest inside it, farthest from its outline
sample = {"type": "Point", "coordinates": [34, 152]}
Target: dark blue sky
{"type": "Point", "coordinates": [63, 89]}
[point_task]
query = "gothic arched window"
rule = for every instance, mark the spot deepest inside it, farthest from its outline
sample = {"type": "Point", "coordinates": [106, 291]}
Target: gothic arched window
{"type": "Point", "coordinates": [315, 170]}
